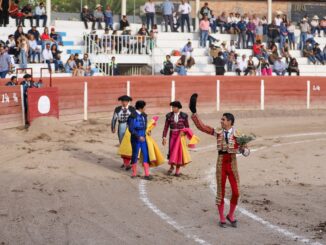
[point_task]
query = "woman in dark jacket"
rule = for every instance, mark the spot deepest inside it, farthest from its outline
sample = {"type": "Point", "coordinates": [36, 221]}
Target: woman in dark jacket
{"type": "Point", "coordinates": [293, 67]}
{"type": "Point", "coordinates": [219, 63]}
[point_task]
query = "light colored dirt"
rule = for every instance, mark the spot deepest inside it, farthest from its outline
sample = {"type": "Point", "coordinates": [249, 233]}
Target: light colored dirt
{"type": "Point", "coordinates": [61, 184]}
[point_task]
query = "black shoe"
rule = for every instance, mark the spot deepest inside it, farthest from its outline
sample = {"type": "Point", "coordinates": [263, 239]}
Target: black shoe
{"type": "Point", "coordinates": [122, 166]}
{"type": "Point", "coordinates": [133, 177]}
{"type": "Point", "coordinates": [128, 168]}
{"type": "Point", "coordinates": [148, 177]}
{"type": "Point", "coordinates": [233, 223]}
{"type": "Point", "coordinates": [177, 175]}
{"type": "Point", "coordinates": [222, 224]}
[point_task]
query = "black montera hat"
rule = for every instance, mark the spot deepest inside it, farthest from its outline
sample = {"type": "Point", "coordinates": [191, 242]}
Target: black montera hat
{"type": "Point", "coordinates": [27, 76]}
{"type": "Point", "coordinates": [176, 104]}
{"type": "Point", "coordinates": [125, 98]}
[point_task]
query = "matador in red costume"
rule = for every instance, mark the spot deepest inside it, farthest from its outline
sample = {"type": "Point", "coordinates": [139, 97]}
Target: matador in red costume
{"type": "Point", "coordinates": [226, 166]}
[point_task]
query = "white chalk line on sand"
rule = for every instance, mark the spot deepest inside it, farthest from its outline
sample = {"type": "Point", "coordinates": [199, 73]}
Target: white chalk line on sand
{"type": "Point", "coordinates": [144, 197]}
{"type": "Point", "coordinates": [247, 213]}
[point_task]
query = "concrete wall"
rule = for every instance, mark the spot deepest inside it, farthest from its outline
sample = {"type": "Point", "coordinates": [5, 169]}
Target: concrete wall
{"type": "Point", "coordinates": [241, 93]}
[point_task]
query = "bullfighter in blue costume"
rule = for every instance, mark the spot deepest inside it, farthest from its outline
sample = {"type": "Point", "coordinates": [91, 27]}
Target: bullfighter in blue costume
{"type": "Point", "coordinates": [137, 124]}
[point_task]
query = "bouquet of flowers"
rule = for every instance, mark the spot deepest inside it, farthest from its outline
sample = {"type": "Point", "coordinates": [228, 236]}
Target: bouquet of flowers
{"type": "Point", "coordinates": [243, 140]}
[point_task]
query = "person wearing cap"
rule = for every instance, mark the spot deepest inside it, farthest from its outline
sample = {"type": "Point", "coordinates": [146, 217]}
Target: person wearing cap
{"type": "Point", "coordinates": [86, 16]}
{"type": "Point", "coordinates": [124, 23]}
{"type": "Point", "coordinates": [40, 14]}
{"type": "Point", "coordinates": [12, 82]}
{"type": "Point", "coordinates": [137, 125]}
{"type": "Point", "coordinates": [241, 28]}
{"type": "Point", "coordinates": [226, 166]}
{"type": "Point", "coordinates": [27, 83]}
{"type": "Point", "coordinates": [315, 27]}
{"type": "Point", "coordinates": [98, 17]}
{"type": "Point", "coordinates": [121, 114]}
{"type": "Point", "coordinates": [176, 121]}
{"type": "Point", "coordinates": [304, 30]}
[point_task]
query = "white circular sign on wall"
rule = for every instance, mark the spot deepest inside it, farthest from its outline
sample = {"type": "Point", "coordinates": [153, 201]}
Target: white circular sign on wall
{"type": "Point", "coordinates": [44, 104]}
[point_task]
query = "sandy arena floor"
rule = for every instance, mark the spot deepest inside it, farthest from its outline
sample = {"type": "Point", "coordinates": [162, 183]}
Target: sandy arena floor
{"type": "Point", "coordinates": [62, 184]}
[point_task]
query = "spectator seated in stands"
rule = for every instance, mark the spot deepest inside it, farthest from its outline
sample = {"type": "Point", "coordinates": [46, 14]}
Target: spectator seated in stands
{"type": "Point", "coordinates": [11, 45]}
{"type": "Point", "coordinates": [12, 82]}
{"type": "Point", "coordinates": [124, 23]}
{"type": "Point", "coordinates": [98, 17]}
{"type": "Point", "coordinates": [293, 67]}
{"type": "Point", "coordinates": [27, 14]}
{"type": "Point", "coordinates": [308, 52]}
{"type": "Point", "coordinates": [251, 68]}
{"type": "Point", "coordinates": [180, 66]}
{"type": "Point", "coordinates": [56, 37]}
{"type": "Point", "coordinates": [86, 16]}
{"type": "Point", "coordinates": [34, 49]}
{"type": "Point", "coordinates": [318, 53]}
{"type": "Point", "coordinates": [219, 63]}
{"type": "Point", "coordinates": [323, 25]}
{"type": "Point", "coordinates": [36, 34]}
{"type": "Point", "coordinates": [80, 70]}
{"type": "Point", "coordinates": [167, 66]}
{"type": "Point", "coordinates": [48, 58]}
{"type": "Point", "coordinates": [19, 32]}
{"type": "Point", "coordinates": [113, 67]}
{"type": "Point", "coordinates": [265, 68]}
{"type": "Point", "coordinates": [71, 66]}
{"type": "Point", "coordinates": [221, 22]}
{"type": "Point", "coordinates": [46, 38]}
{"type": "Point", "coordinates": [15, 13]}
{"type": "Point", "coordinates": [279, 67]}
{"type": "Point", "coordinates": [187, 51]}
{"type": "Point", "coordinates": [87, 66]}
{"type": "Point", "coordinates": [241, 65]}
{"type": "Point", "coordinates": [40, 14]}
{"type": "Point", "coordinates": [273, 53]}
{"type": "Point", "coordinates": [56, 54]}
{"type": "Point", "coordinates": [141, 40]}
{"type": "Point", "coordinates": [108, 17]}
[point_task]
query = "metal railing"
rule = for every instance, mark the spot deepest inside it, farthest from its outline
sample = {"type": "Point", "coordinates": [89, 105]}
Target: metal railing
{"type": "Point", "coordinates": [118, 44]}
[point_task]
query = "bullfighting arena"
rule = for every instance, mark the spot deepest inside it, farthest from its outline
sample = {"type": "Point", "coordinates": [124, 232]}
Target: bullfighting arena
{"type": "Point", "coordinates": [61, 183]}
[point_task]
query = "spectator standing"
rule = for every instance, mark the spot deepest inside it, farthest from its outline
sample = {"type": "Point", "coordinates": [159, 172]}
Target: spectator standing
{"type": "Point", "coordinates": [86, 16]}
{"type": "Point", "coordinates": [124, 23]}
{"type": "Point", "coordinates": [113, 67]}
{"type": "Point", "coordinates": [28, 14]}
{"type": "Point", "coordinates": [279, 67]}
{"type": "Point", "coordinates": [4, 12]}
{"type": "Point", "coordinates": [273, 32]}
{"type": "Point", "coordinates": [283, 34]}
{"type": "Point", "coordinates": [167, 67]}
{"type": "Point", "coordinates": [286, 52]}
{"type": "Point", "coordinates": [167, 11]}
{"type": "Point", "coordinates": [98, 17]}
{"type": "Point", "coordinates": [304, 30]}
{"type": "Point", "coordinates": [315, 27]}
{"type": "Point", "coordinates": [23, 51]}
{"type": "Point", "coordinates": [242, 36]}
{"type": "Point", "coordinates": [265, 25]}
{"type": "Point", "coordinates": [219, 63]}
{"type": "Point", "coordinates": [149, 9]}
{"type": "Point", "coordinates": [278, 20]}
{"type": "Point", "coordinates": [180, 66]}
{"type": "Point", "coordinates": [291, 36]}
{"type": "Point", "coordinates": [5, 62]}
{"type": "Point", "coordinates": [185, 11]}
{"type": "Point", "coordinates": [48, 57]}
{"type": "Point", "coordinates": [40, 14]}
{"type": "Point", "coordinates": [241, 65]}
{"type": "Point", "coordinates": [34, 50]}
{"type": "Point", "coordinates": [213, 22]}
{"type": "Point", "coordinates": [204, 30]}
{"type": "Point", "coordinates": [259, 31]}
{"type": "Point", "coordinates": [251, 32]}
{"type": "Point", "coordinates": [205, 10]}
{"type": "Point", "coordinates": [293, 67]}
{"type": "Point", "coordinates": [108, 17]}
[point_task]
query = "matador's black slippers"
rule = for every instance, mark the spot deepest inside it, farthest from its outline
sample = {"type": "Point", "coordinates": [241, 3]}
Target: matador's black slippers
{"type": "Point", "coordinates": [222, 224]}
{"type": "Point", "coordinates": [128, 168]}
{"type": "Point", "coordinates": [148, 177]}
{"type": "Point", "coordinates": [233, 223]}
{"type": "Point", "coordinates": [122, 166]}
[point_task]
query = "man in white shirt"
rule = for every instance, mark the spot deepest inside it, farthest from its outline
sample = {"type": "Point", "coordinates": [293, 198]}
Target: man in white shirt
{"type": "Point", "coordinates": [241, 65]}
{"type": "Point", "coordinates": [40, 13]}
{"type": "Point", "coordinates": [278, 20]}
{"type": "Point", "coordinates": [48, 58]}
{"type": "Point", "coordinates": [149, 9]}
{"type": "Point", "coordinates": [184, 10]}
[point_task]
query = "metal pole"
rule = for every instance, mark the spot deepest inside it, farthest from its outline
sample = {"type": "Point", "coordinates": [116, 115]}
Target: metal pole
{"type": "Point", "coordinates": [48, 11]}
{"type": "Point", "coordinates": [218, 98]}
{"type": "Point", "coordinates": [134, 17]}
{"type": "Point", "coordinates": [173, 91]}
{"type": "Point", "coordinates": [85, 102]}
{"type": "Point", "coordinates": [262, 95]}
{"type": "Point", "coordinates": [123, 7]}
{"type": "Point", "coordinates": [308, 94]}
{"type": "Point", "coordinates": [128, 88]}
{"type": "Point", "coordinates": [270, 11]}
{"type": "Point", "coordinates": [23, 105]}
{"type": "Point", "coordinates": [197, 9]}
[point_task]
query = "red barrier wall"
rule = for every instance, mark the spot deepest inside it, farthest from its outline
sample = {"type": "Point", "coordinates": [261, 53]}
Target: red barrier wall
{"type": "Point", "coordinates": [10, 113]}
{"type": "Point", "coordinates": [235, 93]}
